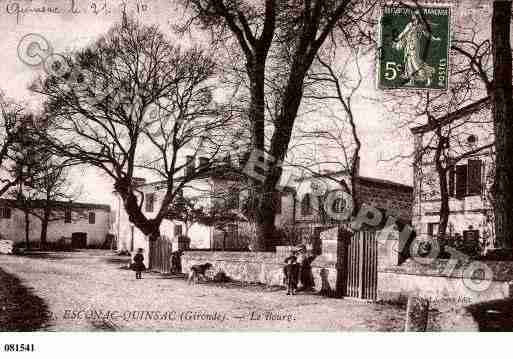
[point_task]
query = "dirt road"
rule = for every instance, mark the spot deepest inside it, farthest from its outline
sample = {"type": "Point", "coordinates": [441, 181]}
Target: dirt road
{"type": "Point", "coordinates": [88, 290]}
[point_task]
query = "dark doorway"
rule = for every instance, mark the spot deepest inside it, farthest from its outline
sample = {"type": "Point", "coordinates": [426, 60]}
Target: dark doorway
{"type": "Point", "coordinates": [78, 240]}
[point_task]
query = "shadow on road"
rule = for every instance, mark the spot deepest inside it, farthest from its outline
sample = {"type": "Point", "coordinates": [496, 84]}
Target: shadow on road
{"type": "Point", "coordinates": [46, 255]}
{"type": "Point", "coordinates": [20, 310]}
{"type": "Point", "coordinates": [493, 316]}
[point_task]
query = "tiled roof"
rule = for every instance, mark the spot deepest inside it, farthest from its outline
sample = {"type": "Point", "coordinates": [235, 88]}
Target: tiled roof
{"type": "Point", "coordinates": [62, 204]}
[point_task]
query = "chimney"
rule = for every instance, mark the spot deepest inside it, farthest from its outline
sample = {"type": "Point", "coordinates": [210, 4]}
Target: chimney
{"type": "Point", "coordinates": [189, 167]}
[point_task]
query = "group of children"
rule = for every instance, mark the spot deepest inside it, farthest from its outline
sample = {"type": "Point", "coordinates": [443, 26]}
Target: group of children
{"type": "Point", "coordinates": [298, 269]}
{"type": "Point", "coordinates": [139, 267]}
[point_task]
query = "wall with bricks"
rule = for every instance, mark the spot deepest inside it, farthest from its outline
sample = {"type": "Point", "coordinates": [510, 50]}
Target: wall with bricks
{"type": "Point", "coordinates": [387, 196]}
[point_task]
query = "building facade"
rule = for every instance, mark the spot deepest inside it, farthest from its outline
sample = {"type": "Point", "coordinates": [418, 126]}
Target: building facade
{"type": "Point", "coordinates": [91, 221]}
{"type": "Point", "coordinates": [468, 157]}
{"type": "Point", "coordinates": [308, 213]}
{"type": "Point", "coordinates": [220, 187]}
{"type": "Point", "coordinates": [299, 215]}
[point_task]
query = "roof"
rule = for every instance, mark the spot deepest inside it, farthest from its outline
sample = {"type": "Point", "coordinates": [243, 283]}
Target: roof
{"type": "Point", "coordinates": [453, 116]}
{"type": "Point", "coordinates": [362, 179]}
{"type": "Point", "coordinates": [65, 204]}
{"type": "Point", "coordinates": [381, 182]}
{"type": "Point", "coordinates": [219, 172]}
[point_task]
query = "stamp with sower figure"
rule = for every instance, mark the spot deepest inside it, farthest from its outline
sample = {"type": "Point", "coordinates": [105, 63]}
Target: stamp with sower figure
{"type": "Point", "coordinates": [414, 47]}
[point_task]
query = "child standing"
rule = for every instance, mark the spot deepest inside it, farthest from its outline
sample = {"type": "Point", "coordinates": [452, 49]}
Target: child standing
{"type": "Point", "coordinates": [291, 273]}
{"type": "Point", "coordinates": [139, 263]}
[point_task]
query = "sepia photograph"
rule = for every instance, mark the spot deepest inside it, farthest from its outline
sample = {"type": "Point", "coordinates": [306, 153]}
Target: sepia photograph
{"type": "Point", "coordinates": [255, 166]}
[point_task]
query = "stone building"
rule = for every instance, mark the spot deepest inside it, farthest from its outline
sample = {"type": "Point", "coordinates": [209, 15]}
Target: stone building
{"type": "Point", "coordinates": [89, 221]}
{"type": "Point", "coordinates": [309, 217]}
{"type": "Point", "coordinates": [220, 186]}
{"type": "Point", "coordinates": [468, 134]}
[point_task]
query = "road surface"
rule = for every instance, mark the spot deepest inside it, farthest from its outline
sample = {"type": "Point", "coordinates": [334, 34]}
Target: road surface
{"type": "Point", "coordinates": [88, 290]}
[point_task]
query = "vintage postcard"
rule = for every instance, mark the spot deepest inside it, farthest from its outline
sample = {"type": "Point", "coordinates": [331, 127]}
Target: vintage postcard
{"type": "Point", "coordinates": [263, 165]}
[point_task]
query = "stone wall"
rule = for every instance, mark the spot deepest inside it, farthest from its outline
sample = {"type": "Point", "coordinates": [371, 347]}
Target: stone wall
{"type": "Point", "coordinates": [257, 267]}
{"type": "Point", "coordinates": [394, 283]}
{"type": "Point", "coordinates": [443, 283]}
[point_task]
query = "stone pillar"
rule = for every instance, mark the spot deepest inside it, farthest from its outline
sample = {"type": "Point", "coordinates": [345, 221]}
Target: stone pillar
{"type": "Point", "coordinates": [343, 238]}
{"type": "Point", "coordinates": [389, 248]}
{"type": "Point", "coordinates": [417, 313]}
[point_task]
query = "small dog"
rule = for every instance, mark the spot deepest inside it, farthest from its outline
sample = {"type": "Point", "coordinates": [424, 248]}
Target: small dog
{"type": "Point", "coordinates": [198, 271]}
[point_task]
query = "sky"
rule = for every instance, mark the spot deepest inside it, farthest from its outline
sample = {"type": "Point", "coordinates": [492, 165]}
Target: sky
{"type": "Point", "coordinates": [66, 30]}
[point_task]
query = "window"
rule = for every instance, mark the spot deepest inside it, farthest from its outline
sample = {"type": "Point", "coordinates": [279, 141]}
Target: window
{"type": "Point", "coordinates": [5, 212]}
{"type": "Point", "coordinates": [178, 230]}
{"type": "Point", "coordinates": [150, 201]}
{"type": "Point", "coordinates": [67, 215]}
{"type": "Point", "coordinates": [471, 235]}
{"type": "Point", "coordinates": [339, 204]}
{"type": "Point", "coordinates": [432, 229]}
{"type": "Point", "coordinates": [306, 205]}
{"type": "Point", "coordinates": [92, 218]}
{"type": "Point", "coordinates": [232, 202]}
{"type": "Point", "coordinates": [466, 180]}
{"type": "Point", "coordinates": [320, 210]}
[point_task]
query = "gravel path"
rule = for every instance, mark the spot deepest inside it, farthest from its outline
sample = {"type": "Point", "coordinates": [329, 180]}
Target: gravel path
{"type": "Point", "coordinates": [88, 290]}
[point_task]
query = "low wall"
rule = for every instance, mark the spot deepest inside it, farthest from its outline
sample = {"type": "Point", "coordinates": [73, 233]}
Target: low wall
{"type": "Point", "coordinates": [258, 267]}
{"type": "Point", "coordinates": [393, 282]}
{"type": "Point", "coordinates": [443, 283]}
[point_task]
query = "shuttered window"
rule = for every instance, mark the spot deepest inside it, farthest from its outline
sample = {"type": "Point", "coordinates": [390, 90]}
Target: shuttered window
{"type": "Point", "coordinates": [461, 181]}
{"type": "Point", "coordinates": [5, 212]}
{"type": "Point", "coordinates": [466, 180]}
{"type": "Point", "coordinates": [474, 178]}
{"type": "Point", "coordinates": [306, 205]}
{"type": "Point", "coordinates": [150, 201]}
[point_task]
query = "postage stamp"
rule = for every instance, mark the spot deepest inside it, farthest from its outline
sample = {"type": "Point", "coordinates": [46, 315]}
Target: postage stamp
{"type": "Point", "coordinates": [219, 165]}
{"type": "Point", "coordinates": [414, 47]}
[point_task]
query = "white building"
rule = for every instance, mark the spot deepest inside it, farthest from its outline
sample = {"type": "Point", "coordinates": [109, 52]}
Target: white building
{"type": "Point", "coordinates": [73, 219]}
{"type": "Point", "coordinates": [206, 189]}
{"type": "Point", "coordinates": [468, 132]}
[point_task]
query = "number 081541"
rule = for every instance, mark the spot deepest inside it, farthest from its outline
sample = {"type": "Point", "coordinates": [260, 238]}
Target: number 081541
{"type": "Point", "coordinates": [18, 347]}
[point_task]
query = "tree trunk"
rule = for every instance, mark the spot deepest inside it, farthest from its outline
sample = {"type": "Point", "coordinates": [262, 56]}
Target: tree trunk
{"type": "Point", "coordinates": [256, 74]}
{"type": "Point", "coordinates": [502, 108]}
{"type": "Point", "coordinates": [266, 212]}
{"type": "Point", "coordinates": [150, 227]}
{"type": "Point", "coordinates": [27, 229]}
{"type": "Point", "coordinates": [444, 204]}
{"type": "Point", "coordinates": [265, 229]}
{"type": "Point", "coordinates": [44, 227]}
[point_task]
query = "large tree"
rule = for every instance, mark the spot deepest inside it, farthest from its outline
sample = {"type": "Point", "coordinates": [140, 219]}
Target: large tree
{"type": "Point", "coordinates": [276, 40]}
{"type": "Point", "coordinates": [135, 103]}
{"type": "Point", "coordinates": [12, 115]}
{"type": "Point", "coordinates": [502, 109]}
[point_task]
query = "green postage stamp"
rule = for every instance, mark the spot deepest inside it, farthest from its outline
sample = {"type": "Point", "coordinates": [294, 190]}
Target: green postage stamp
{"type": "Point", "coordinates": [414, 47]}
